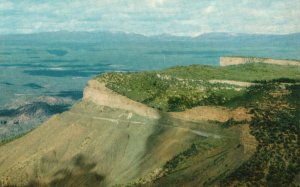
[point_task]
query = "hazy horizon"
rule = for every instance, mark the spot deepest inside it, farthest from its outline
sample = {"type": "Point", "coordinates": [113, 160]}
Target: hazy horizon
{"type": "Point", "coordinates": [150, 35]}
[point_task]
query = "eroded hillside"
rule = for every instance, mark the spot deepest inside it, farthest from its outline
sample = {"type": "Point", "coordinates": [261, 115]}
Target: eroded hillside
{"type": "Point", "coordinates": [96, 144]}
{"type": "Point", "coordinates": [166, 129]}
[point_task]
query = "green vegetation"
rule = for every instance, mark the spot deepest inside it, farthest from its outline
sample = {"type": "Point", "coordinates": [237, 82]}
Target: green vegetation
{"type": "Point", "coordinates": [168, 93]}
{"type": "Point", "coordinates": [276, 110]}
{"type": "Point", "coordinates": [231, 122]}
{"type": "Point", "coordinates": [172, 164]}
{"type": "Point", "coordinates": [249, 72]}
{"type": "Point", "coordinates": [179, 88]}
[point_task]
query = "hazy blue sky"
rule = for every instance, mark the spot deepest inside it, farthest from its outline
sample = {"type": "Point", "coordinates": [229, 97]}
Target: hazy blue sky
{"type": "Point", "coordinates": [180, 17]}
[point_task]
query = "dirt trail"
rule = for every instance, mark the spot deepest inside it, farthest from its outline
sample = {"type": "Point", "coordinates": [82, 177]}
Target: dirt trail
{"type": "Point", "coordinates": [120, 121]}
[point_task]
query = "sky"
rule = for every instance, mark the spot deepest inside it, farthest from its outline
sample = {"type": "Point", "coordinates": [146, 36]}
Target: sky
{"type": "Point", "coordinates": [151, 17]}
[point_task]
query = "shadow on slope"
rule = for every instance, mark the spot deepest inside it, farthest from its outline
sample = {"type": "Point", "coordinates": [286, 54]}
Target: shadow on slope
{"type": "Point", "coordinates": [81, 175]}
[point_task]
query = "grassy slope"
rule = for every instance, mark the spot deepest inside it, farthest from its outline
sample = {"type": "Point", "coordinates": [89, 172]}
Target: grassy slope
{"type": "Point", "coordinates": [168, 93]}
{"type": "Point", "coordinates": [179, 88]}
{"type": "Point", "coordinates": [86, 146]}
{"type": "Point", "coordinates": [245, 72]}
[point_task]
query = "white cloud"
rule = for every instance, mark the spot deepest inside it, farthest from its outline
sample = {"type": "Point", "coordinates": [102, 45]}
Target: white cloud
{"type": "Point", "coordinates": [6, 5]}
{"type": "Point", "coordinates": [150, 17]}
{"type": "Point", "coordinates": [39, 8]}
{"type": "Point", "coordinates": [210, 9]}
{"type": "Point", "coordinates": [156, 3]}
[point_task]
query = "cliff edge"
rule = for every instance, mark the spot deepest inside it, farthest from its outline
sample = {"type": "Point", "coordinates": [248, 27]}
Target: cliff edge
{"type": "Point", "coordinates": [98, 93]}
{"type": "Point", "coordinates": [226, 61]}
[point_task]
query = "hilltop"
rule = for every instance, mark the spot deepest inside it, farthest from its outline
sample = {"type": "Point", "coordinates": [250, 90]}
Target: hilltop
{"type": "Point", "coordinates": [187, 125]}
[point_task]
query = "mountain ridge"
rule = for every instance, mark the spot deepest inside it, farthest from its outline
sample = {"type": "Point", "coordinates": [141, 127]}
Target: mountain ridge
{"type": "Point", "coordinates": [122, 36]}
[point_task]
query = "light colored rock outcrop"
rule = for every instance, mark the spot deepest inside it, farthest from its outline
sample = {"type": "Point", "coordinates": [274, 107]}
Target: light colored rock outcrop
{"type": "Point", "coordinates": [232, 82]}
{"type": "Point", "coordinates": [226, 61]}
{"type": "Point", "coordinates": [98, 93]}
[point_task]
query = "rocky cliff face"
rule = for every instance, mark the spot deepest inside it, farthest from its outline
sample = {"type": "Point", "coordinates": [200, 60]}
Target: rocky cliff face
{"type": "Point", "coordinates": [97, 92]}
{"type": "Point", "coordinates": [226, 61]}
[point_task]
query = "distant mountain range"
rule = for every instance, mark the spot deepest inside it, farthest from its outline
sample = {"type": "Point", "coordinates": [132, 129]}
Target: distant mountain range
{"type": "Point", "coordinates": [65, 36]}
